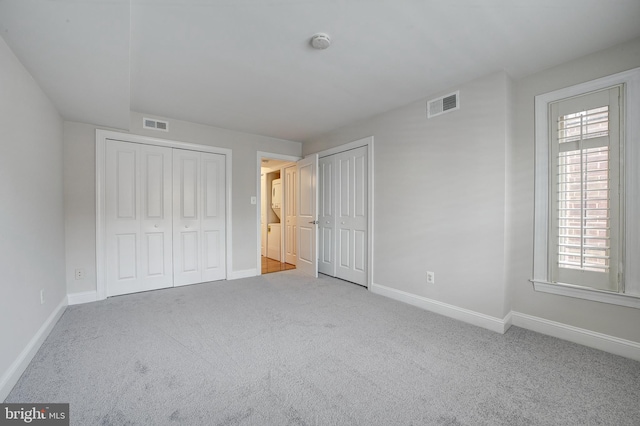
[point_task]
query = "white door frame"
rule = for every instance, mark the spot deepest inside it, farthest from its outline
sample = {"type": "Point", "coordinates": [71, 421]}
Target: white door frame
{"type": "Point", "coordinates": [260, 156]}
{"type": "Point", "coordinates": [101, 141]}
{"type": "Point", "coordinates": [368, 142]}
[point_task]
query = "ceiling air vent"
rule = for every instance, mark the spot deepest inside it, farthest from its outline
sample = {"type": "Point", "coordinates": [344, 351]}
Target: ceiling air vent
{"type": "Point", "coordinates": [152, 123]}
{"type": "Point", "coordinates": [447, 103]}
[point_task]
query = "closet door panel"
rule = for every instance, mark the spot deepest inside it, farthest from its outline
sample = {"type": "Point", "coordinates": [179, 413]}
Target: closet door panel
{"type": "Point", "coordinates": [211, 182]}
{"type": "Point", "coordinates": [126, 256]}
{"type": "Point", "coordinates": [351, 221]}
{"type": "Point", "coordinates": [211, 249]}
{"type": "Point", "coordinates": [138, 226]}
{"type": "Point", "coordinates": [344, 182]}
{"type": "Point", "coordinates": [155, 254]}
{"type": "Point", "coordinates": [126, 170]}
{"type": "Point", "coordinates": [213, 217]}
{"type": "Point", "coordinates": [155, 221]}
{"type": "Point", "coordinates": [360, 187]}
{"type": "Point", "coordinates": [186, 223]}
{"type": "Point", "coordinates": [326, 252]}
{"type": "Point", "coordinates": [360, 251]}
{"type": "Point", "coordinates": [326, 219]}
{"type": "Point", "coordinates": [188, 185]}
{"type": "Point", "coordinates": [344, 249]}
{"type": "Point", "coordinates": [189, 252]}
{"type": "Point", "coordinates": [154, 186]}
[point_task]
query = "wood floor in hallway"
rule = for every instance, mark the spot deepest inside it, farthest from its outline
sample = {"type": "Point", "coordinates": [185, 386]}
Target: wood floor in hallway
{"type": "Point", "coordinates": [270, 265]}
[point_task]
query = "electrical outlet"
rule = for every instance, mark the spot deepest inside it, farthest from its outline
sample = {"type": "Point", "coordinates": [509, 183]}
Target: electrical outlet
{"type": "Point", "coordinates": [79, 274]}
{"type": "Point", "coordinates": [42, 296]}
{"type": "Point", "coordinates": [431, 277]}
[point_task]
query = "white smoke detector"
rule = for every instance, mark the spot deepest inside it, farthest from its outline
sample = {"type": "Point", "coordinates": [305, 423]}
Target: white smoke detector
{"type": "Point", "coordinates": [320, 41]}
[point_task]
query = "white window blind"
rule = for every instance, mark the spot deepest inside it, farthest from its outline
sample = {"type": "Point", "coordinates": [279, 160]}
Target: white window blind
{"type": "Point", "coordinates": [584, 234]}
{"type": "Point", "coordinates": [583, 193]}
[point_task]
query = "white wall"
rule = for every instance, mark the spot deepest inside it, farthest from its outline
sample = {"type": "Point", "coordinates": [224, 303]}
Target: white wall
{"type": "Point", "coordinates": [79, 142]}
{"type": "Point", "coordinates": [79, 209]}
{"type": "Point", "coordinates": [31, 216]}
{"type": "Point", "coordinates": [604, 318]}
{"type": "Point", "coordinates": [440, 196]}
{"type": "Point", "coordinates": [484, 153]}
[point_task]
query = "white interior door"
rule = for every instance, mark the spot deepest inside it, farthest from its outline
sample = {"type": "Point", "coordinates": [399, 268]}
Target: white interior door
{"type": "Point", "coordinates": [198, 217]}
{"type": "Point", "coordinates": [326, 219]}
{"type": "Point", "coordinates": [351, 215]}
{"type": "Point", "coordinates": [307, 216]}
{"type": "Point", "coordinates": [291, 220]}
{"type": "Point", "coordinates": [138, 217]}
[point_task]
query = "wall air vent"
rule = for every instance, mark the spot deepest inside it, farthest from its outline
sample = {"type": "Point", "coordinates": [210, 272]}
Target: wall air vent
{"type": "Point", "coordinates": [443, 104]}
{"type": "Point", "coordinates": [153, 124]}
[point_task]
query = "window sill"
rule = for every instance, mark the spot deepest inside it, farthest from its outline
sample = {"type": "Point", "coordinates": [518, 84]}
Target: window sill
{"type": "Point", "coordinates": [588, 294]}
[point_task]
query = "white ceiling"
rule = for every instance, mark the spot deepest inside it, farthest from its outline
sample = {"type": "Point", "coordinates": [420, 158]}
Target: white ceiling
{"type": "Point", "coordinates": [247, 64]}
{"type": "Point", "coordinates": [79, 53]}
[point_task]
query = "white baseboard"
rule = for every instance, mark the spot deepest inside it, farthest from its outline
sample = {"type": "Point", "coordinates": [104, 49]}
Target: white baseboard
{"type": "Point", "coordinates": [82, 297]}
{"type": "Point", "coordinates": [481, 320]}
{"type": "Point", "coordinates": [236, 275]}
{"type": "Point", "coordinates": [13, 373]}
{"type": "Point", "coordinates": [604, 342]}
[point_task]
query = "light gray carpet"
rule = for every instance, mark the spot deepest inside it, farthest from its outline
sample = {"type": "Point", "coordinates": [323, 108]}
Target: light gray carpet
{"type": "Point", "coordinates": [283, 349]}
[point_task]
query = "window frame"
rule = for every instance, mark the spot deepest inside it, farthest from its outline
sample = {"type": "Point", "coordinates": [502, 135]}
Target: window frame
{"type": "Point", "coordinates": [612, 97]}
{"type": "Point", "coordinates": [629, 294]}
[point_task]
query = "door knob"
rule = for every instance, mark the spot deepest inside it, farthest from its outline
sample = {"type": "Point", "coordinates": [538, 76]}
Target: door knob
{"type": "Point", "coordinates": [155, 226]}
{"type": "Point", "coordinates": [315, 222]}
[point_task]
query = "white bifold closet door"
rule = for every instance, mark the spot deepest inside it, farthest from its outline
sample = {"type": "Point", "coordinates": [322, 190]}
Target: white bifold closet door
{"type": "Point", "coordinates": [198, 217]}
{"type": "Point", "coordinates": [343, 215]}
{"type": "Point", "coordinates": [165, 217]}
{"type": "Point", "coordinates": [138, 204]}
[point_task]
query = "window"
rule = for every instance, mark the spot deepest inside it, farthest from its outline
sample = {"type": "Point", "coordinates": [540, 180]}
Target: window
{"type": "Point", "coordinates": [586, 206]}
{"type": "Point", "coordinates": [585, 186]}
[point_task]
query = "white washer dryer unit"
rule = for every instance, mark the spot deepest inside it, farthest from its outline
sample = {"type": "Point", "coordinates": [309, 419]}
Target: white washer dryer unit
{"type": "Point", "coordinates": [273, 241]}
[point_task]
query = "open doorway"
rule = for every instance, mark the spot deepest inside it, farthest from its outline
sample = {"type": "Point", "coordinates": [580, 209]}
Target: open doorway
{"type": "Point", "coordinates": [277, 214]}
